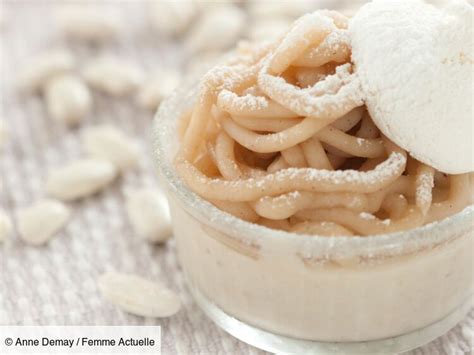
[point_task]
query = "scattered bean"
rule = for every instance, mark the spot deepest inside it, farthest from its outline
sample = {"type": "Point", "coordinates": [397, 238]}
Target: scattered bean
{"type": "Point", "coordinates": [43, 66]}
{"type": "Point", "coordinates": [68, 99]}
{"type": "Point", "coordinates": [148, 213]}
{"type": "Point", "coordinates": [109, 143]}
{"type": "Point", "coordinates": [138, 296]}
{"type": "Point", "coordinates": [80, 178]}
{"type": "Point", "coordinates": [113, 76]}
{"type": "Point", "coordinates": [38, 223]}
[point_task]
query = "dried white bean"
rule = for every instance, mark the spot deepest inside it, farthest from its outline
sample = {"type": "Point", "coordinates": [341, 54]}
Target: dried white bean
{"type": "Point", "coordinates": [80, 178]}
{"type": "Point", "coordinates": [218, 28]}
{"type": "Point", "coordinates": [136, 295]}
{"type": "Point", "coordinates": [5, 226]}
{"type": "Point", "coordinates": [157, 88]}
{"type": "Point", "coordinates": [43, 66]}
{"type": "Point", "coordinates": [88, 23]}
{"type": "Point", "coordinates": [3, 133]}
{"type": "Point", "coordinates": [109, 143]}
{"type": "Point", "coordinates": [68, 99]}
{"type": "Point", "coordinates": [38, 223]}
{"type": "Point", "coordinates": [148, 213]}
{"type": "Point", "coordinates": [113, 76]}
{"type": "Point", "coordinates": [268, 29]}
{"type": "Point", "coordinates": [172, 17]}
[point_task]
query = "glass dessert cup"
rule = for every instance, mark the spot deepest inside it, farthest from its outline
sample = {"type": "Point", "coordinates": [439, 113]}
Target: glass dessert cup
{"type": "Point", "coordinates": [290, 293]}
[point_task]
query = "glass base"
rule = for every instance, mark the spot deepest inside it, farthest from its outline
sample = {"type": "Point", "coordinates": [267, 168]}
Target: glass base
{"type": "Point", "coordinates": [285, 345]}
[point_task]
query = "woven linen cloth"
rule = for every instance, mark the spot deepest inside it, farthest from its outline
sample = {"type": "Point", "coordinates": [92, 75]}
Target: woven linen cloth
{"type": "Point", "coordinates": [56, 284]}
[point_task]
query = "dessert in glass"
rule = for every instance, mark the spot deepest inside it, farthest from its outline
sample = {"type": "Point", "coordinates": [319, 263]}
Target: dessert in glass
{"type": "Point", "coordinates": [301, 226]}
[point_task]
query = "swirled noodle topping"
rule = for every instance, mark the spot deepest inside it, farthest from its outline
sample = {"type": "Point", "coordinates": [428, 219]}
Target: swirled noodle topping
{"type": "Point", "coordinates": [280, 136]}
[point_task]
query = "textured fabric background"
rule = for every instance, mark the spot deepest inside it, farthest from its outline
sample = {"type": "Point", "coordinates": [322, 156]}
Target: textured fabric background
{"type": "Point", "coordinates": [56, 284]}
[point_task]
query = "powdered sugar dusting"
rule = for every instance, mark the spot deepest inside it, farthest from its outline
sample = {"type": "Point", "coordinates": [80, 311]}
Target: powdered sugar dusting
{"type": "Point", "coordinates": [394, 163]}
{"type": "Point", "coordinates": [253, 90]}
{"type": "Point", "coordinates": [425, 184]}
{"type": "Point", "coordinates": [316, 100]}
{"type": "Point", "coordinates": [337, 38]}
{"type": "Point", "coordinates": [287, 200]}
{"type": "Point", "coordinates": [367, 216]}
{"type": "Point", "coordinates": [368, 179]}
{"type": "Point", "coordinates": [331, 44]}
{"type": "Point", "coordinates": [226, 77]}
{"type": "Point", "coordinates": [228, 99]}
{"type": "Point", "coordinates": [370, 217]}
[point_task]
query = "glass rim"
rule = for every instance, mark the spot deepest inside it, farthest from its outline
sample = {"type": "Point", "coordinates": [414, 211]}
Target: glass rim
{"type": "Point", "coordinates": [406, 241]}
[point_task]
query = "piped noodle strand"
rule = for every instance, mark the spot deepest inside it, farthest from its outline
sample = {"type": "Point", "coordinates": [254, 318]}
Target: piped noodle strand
{"type": "Point", "coordinates": [364, 223]}
{"type": "Point", "coordinates": [307, 179]}
{"type": "Point", "coordinates": [315, 154]}
{"type": "Point", "coordinates": [279, 136]}
{"type": "Point", "coordinates": [424, 186]}
{"type": "Point", "coordinates": [335, 48]}
{"type": "Point", "coordinates": [218, 78]}
{"type": "Point", "coordinates": [266, 124]}
{"type": "Point", "coordinates": [350, 120]}
{"type": "Point", "coordinates": [276, 142]}
{"type": "Point", "coordinates": [310, 29]}
{"type": "Point", "coordinates": [327, 229]}
{"type": "Point", "coordinates": [294, 156]}
{"type": "Point", "coordinates": [330, 98]}
{"type": "Point", "coordinates": [286, 205]}
{"type": "Point", "coordinates": [225, 158]}
{"type": "Point", "coordinates": [251, 106]}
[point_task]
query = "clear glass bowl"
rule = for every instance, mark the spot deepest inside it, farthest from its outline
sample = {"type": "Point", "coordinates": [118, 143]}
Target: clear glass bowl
{"type": "Point", "coordinates": [291, 293]}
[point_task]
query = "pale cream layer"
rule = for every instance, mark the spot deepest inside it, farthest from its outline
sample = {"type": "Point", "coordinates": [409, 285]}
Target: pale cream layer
{"type": "Point", "coordinates": [278, 291]}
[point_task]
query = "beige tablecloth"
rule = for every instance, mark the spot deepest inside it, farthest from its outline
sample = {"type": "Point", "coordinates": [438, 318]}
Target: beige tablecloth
{"type": "Point", "coordinates": [56, 284]}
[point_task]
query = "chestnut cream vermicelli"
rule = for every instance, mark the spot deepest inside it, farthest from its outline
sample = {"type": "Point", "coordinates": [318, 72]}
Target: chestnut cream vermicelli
{"type": "Point", "coordinates": [279, 136]}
